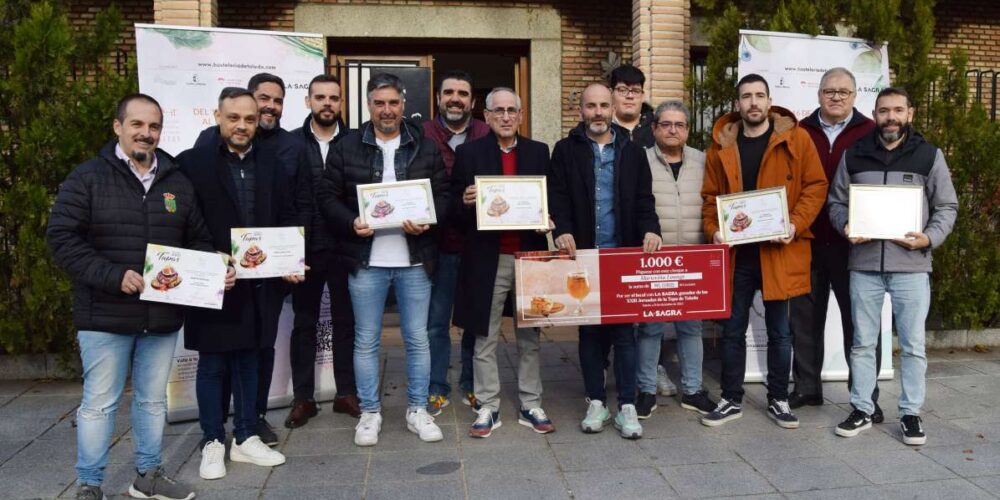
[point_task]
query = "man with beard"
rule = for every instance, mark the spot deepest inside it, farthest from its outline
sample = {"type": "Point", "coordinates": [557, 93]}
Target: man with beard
{"type": "Point", "coordinates": [238, 184]}
{"type": "Point", "coordinates": [386, 149]}
{"type": "Point", "coordinates": [600, 193]}
{"type": "Point", "coordinates": [320, 130]}
{"type": "Point", "coordinates": [269, 92]}
{"type": "Point", "coordinates": [107, 210]}
{"type": "Point", "coordinates": [631, 111]}
{"type": "Point", "coordinates": [453, 127]}
{"type": "Point", "coordinates": [757, 147]}
{"type": "Point", "coordinates": [834, 127]}
{"type": "Point", "coordinates": [892, 154]}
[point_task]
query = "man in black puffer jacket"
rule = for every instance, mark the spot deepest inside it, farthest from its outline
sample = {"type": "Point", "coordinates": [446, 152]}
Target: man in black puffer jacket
{"type": "Point", "coordinates": [320, 131]}
{"type": "Point", "coordinates": [386, 149]}
{"type": "Point", "coordinates": [108, 209]}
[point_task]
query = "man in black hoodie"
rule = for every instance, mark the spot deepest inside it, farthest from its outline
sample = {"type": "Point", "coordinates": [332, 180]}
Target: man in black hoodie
{"type": "Point", "coordinates": [108, 209]}
{"type": "Point", "coordinates": [320, 131]}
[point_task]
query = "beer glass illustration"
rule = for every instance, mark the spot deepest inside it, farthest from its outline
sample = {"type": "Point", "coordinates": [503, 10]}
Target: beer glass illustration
{"type": "Point", "coordinates": [578, 286]}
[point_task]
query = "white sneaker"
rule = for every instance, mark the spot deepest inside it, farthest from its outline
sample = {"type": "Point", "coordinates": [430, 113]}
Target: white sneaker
{"type": "Point", "coordinates": [213, 460]}
{"type": "Point", "coordinates": [421, 423]}
{"type": "Point", "coordinates": [366, 432]}
{"type": "Point", "coordinates": [663, 384]}
{"type": "Point", "coordinates": [254, 451]}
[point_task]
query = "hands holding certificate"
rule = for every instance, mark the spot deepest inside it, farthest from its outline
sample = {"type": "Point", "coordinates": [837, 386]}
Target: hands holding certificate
{"type": "Point", "coordinates": [914, 240]}
{"type": "Point", "coordinates": [363, 230]}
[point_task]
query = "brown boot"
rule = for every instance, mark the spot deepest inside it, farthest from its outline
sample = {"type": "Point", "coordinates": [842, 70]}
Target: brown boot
{"type": "Point", "coordinates": [347, 404]}
{"type": "Point", "coordinates": [301, 412]}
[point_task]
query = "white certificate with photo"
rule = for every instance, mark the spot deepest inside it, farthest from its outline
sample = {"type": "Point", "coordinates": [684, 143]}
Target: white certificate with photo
{"type": "Point", "coordinates": [753, 216]}
{"type": "Point", "coordinates": [184, 277]}
{"type": "Point", "coordinates": [388, 204]}
{"type": "Point", "coordinates": [509, 202]}
{"type": "Point", "coordinates": [884, 212]}
{"type": "Point", "coordinates": [268, 252]}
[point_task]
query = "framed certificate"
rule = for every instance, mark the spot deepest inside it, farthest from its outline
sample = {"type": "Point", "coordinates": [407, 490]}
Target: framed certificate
{"type": "Point", "coordinates": [511, 202]}
{"type": "Point", "coordinates": [884, 212]}
{"type": "Point", "coordinates": [388, 204]}
{"type": "Point", "coordinates": [268, 252]}
{"type": "Point", "coordinates": [184, 277]}
{"type": "Point", "coordinates": [753, 216]}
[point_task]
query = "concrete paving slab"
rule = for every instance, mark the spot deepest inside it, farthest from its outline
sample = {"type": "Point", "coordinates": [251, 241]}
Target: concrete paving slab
{"type": "Point", "coordinates": [900, 466]}
{"type": "Point", "coordinates": [341, 469]}
{"type": "Point", "coordinates": [511, 462]}
{"type": "Point", "coordinates": [715, 480]}
{"type": "Point", "coordinates": [415, 490]}
{"type": "Point", "coordinates": [36, 480]}
{"type": "Point", "coordinates": [802, 474]}
{"type": "Point", "coordinates": [431, 463]}
{"type": "Point", "coordinates": [967, 460]}
{"type": "Point", "coordinates": [600, 455]}
{"type": "Point", "coordinates": [25, 427]}
{"type": "Point", "coordinates": [510, 488]}
{"type": "Point", "coordinates": [32, 406]}
{"type": "Point", "coordinates": [15, 387]}
{"type": "Point", "coordinates": [623, 484]}
{"type": "Point", "coordinates": [308, 441]}
{"type": "Point", "coordinates": [688, 450]}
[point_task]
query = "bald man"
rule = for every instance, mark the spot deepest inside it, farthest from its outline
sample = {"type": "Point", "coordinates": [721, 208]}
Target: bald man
{"type": "Point", "coordinates": [600, 196]}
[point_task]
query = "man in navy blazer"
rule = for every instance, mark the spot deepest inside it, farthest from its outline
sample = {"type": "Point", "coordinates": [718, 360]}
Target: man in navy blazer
{"type": "Point", "coordinates": [486, 269]}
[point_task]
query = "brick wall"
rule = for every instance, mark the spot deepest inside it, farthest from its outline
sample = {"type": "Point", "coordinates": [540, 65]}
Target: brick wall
{"type": "Point", "coordinates": [81, 13]}
{"type": "Point", "coordinates": [590, 29]}
{"type": "Point", "coordinates": [973, 25]}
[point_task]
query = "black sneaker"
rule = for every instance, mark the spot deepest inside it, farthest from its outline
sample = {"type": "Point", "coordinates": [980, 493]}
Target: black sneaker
{"type": "Point", "coordinates": [913, 430]}
{"type": "Point", "coordinates": [782, 415]}
{"type": "Point", "coordinates": [87, 492]}
{"type": "Point", "coordinates": [156, 484]}
{"type": "Point", "coordinates": [265, 432]}
{"type": "Point", "coordinates": [798, 400]}
{"type": "Point", "coordinates": [724, 412]}
{"type": "Point", "coordinates": [856, 422]}
{"type": "Point", "coordinates": [698, 402]}
{"type": "Point", "coordinates": [877, 416]}
{"type": "Point", "coordinates": [645, 405]}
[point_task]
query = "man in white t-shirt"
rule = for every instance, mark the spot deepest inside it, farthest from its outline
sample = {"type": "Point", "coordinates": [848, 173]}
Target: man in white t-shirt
{"type": "Point", "coordinates": [386, 149]}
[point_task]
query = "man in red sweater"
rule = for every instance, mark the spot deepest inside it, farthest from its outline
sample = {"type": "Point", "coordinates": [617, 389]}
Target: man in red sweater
{"type": "Point", "coordinates": [834, 127]}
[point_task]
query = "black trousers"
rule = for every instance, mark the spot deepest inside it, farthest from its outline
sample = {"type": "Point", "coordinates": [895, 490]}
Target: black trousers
{"type": "Point", "coordinates": [306, 301]}
{"type": "Point", "coordinates": [808, 318]}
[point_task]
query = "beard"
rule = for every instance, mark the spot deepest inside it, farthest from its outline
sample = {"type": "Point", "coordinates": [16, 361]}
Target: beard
{"type": "Point", "coordinates": [455, 117]}
{"type": "Point", "coordinates": [387, 127]}
{"type": "Point", "coordinates": [750, 121]}
{"type": "Point", "coordinates": [597, 128]}
{"type": "Point", "coordinates": [323, 122]}
{"type": "Point", "coordinates": [268, 125]}
{"type": "Point", "coordinates": [891, 137]}
{"type": "Point", "coordinates": [139, 156]}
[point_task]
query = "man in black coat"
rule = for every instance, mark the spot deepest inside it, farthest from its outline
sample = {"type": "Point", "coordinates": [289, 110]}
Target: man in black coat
{"type": "Point", "coordinates": [600, 196]}
{"type": "Point", "coordinates": [386, 149]}
{"type": "Point", "coordinates": [486, 269]}
{"type": "Point", "coordinates": [321, 130]}
{"type": "Point", "coordinates": [238, 184]}
{"type": "Point", "coordinates": [107, 210]}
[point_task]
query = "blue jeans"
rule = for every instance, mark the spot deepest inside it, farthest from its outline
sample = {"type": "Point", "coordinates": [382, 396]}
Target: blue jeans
{"type": "Point", "coordinates": [106, 358]}
{"type": "Point", "coordinates": [911, 298]}
{"type": "Point", "coordinates": [369, 288]}
{"type": "Point", "coordinates": [593, 342]}
{"type": "Point", "coordinates": [240, 369]}
{"type": "Point", "coordinates": [690, 351]}
{"type": "Point", "coordinates": [746, 281]}
{"type": "Point", "coordinates": [439, 326]}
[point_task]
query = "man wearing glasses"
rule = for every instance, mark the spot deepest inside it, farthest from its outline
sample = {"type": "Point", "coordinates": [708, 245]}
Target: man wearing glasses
{"type": "Point", "coordinates": [677, 171]}
{"type": "Point", "coordinates": [833, 127]}
{"type": "Point", "coordinates": [486, 274]}
{"type": "Point", "coordinates": [631, 113]}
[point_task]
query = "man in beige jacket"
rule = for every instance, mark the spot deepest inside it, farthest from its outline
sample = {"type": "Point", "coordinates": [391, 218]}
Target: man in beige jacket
{"type": "Point", "coordinates": [677, 171]}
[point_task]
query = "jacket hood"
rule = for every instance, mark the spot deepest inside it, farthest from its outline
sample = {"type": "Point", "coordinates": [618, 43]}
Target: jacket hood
{"type": "Point", "coordinates": [728, 127]}
{"type": "Point", "coordinates": [164, 161]}
{"type": "Point", "coordinates": [812, 121]}
{"type": "Point", "coordinates": [579, 133]}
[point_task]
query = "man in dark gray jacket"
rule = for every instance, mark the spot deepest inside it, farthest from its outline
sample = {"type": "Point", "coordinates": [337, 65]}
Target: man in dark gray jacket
{"type": "Point", "coordinates": [892, 154]}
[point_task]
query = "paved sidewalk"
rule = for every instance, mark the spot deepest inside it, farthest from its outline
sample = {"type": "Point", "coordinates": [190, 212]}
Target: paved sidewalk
{"type": "Point", "coordinates": [677, 457]}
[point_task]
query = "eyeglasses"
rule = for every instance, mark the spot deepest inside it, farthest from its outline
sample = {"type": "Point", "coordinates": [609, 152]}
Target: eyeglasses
{"type": "Point", "coordinates": [511, 111]}
{"type": "Point", "coordinates": [841, 93]}
{"type": "Point", "coordinates": [628, 91]}
{"type": "Point", "coordinates": [676, 125]}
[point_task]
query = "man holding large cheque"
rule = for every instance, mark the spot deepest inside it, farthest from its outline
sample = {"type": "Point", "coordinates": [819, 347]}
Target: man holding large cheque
{"type": "Point", "coordinates": [892, 240]}
{"type": "Point", "coordinates": [755, 148]}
